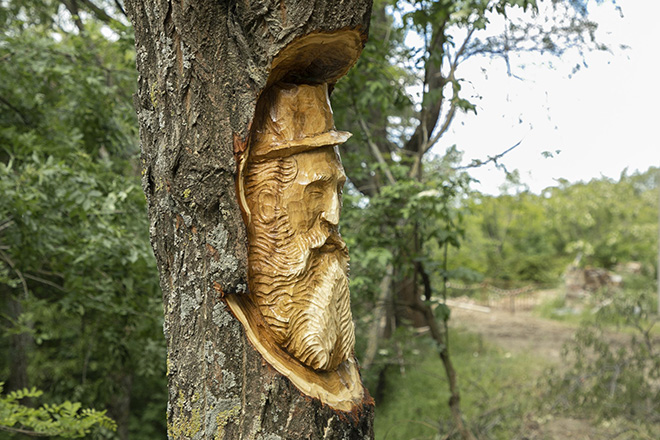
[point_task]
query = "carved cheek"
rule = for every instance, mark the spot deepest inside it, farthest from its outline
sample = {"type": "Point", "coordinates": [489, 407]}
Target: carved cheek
{"type": "Point", "coordinates": [296, 210]}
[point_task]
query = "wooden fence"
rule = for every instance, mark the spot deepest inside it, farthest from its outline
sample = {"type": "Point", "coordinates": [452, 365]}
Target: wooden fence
{"type": "Point", "coordinates": [494, 297]}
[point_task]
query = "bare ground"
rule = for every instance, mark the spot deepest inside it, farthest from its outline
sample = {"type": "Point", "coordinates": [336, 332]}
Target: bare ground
{"type": "Point", "coordinates": [516, 332]}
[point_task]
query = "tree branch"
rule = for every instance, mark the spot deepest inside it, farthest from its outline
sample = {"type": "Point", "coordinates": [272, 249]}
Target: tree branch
{"type": "Point", "coordinates": [476, 163]}
{"type": "Point", "coordinates": [72, 7]}
{"type": "Point", "coordinates": [376, 152]}
{"type": "Point", "coordinates": [443, 129]}
{"type": "Point", "coordinates": [121, 8]}
{"type": "Point", "coordinates": [15, 110]}
{"type": "Point", "coordinates": [98, 12]}
{"type": "Point", "coordinates": [452, 110]}
{"type": "Point", "coordinates": [426, 280]}
{"type": "Point", "coordinates": [430, 116]}
{"type": "Point", "coordinates": [11, 264]}
{"type": "Point", "coordinates": [461, 50]}
{"type": "Point", "coordinates": [44, 281]}
{"type": "Point", "coordinates": [23, 431]}
{"type": "Point", "coordinates": [6, 224]}
{"type": "Point", "coordinates": [434, 79]}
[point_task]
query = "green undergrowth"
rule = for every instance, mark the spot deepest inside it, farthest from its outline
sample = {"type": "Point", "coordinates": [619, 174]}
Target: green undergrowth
{"type": "Point", "coordinates": [498, 390]}
{"type": "Point", "coordinates": [611, 367]}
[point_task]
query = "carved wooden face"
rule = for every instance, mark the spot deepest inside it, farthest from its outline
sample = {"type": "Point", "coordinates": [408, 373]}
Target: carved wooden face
{"type": "Point", "coordinates": [297, 312]}
{"type": "Point", "coordinates": [313, 199]}
{"type": "Point", "coordinates": [298, 263]}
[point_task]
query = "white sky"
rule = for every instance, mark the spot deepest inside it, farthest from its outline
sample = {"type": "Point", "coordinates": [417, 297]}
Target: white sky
{"type": "Point", "coordinates": [603, 119]}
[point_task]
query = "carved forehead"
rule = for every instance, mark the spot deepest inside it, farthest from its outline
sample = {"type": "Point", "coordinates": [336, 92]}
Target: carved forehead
{"type": "Point", "coordinates": [303, 168]}
{"type": "Point", "coordinates": [321, 164]}
{"type": "Point", "coordinates": [276, 170]}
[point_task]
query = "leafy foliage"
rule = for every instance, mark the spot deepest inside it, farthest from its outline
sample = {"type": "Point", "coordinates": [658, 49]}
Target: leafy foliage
{"type": "Point", "coordinates": [74, 248]}
{"type": "Point", "coordinates": [609, 377]}
{"type": "Point", "coordinates": [499, 391]}
{"type": "Point", "coordinates": [532, 238]}
{"type": "Point", "coordinates": [65, 420]}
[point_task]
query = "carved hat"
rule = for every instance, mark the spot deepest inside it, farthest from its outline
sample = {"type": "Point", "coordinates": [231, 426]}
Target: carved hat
{"type": "Point", "coordinates": [293, 118]}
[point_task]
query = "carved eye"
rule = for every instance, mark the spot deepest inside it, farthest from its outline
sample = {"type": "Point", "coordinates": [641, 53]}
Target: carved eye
{"type": "Point", "coordinates": [315, 191]}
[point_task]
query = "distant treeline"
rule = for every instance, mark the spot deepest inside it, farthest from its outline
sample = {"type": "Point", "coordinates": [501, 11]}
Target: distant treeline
{"type": "Point", "coordinates": [534, 237]}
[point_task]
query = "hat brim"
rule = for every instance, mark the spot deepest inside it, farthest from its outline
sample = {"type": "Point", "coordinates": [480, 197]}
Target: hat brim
{"type": "Point", "coordinates": [276, 149]}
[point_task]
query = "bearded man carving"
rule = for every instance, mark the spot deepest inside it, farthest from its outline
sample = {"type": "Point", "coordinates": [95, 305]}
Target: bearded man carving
{"type": "Point", "coordinates": [298, 262]}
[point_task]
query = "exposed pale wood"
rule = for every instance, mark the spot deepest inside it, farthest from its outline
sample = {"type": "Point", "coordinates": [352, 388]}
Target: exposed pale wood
{"type": "Point", "coordinates": [340, 389]}
{"type": "Point", "coordinates": [317, 58]}
{"type": "Point", "coordinates": [293, 118]}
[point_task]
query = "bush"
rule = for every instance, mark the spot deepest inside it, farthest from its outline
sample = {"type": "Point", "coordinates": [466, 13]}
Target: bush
{"type": "Point", "coordinates": [613, 376]}
{"type": "Point", "coordinates": [66, 420]}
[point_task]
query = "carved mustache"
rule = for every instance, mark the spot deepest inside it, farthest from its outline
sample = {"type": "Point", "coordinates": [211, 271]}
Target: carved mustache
{"type": "Point", "coordinates": [332, 243]}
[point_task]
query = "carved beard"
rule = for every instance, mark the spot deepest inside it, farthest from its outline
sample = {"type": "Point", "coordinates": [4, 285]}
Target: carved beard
{"type": "Point", "coordinates": [301, 288]}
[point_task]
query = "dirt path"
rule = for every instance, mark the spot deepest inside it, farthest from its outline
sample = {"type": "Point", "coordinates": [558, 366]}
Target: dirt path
{"type": "Point", "coordinates": [521, 331]}
{"type": "Point", "coordinates": [517, 332]}
{"type": "Point", "coordinates": [524, 332]}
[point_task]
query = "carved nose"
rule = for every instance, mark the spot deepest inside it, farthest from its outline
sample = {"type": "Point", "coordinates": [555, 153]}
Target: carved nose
{"type": "Point", "coordinates": [331, 214]}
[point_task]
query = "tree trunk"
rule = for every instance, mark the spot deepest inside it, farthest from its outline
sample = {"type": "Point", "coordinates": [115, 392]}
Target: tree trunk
{"type": "Point", "coordinates": [203, 66]}
{"type": "Point", "coordinates": [407, 286]}
{"type": "Point", "coordinates": [20, 345]}
{"type": "Point", "coordinates": [381, 326]}
{"type": "Point", "coordinates": [120, 403]}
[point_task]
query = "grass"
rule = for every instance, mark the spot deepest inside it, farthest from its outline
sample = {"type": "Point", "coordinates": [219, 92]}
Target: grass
{"type": "Point", "coordinates": [584, 313]}
{"type": "Point", "coordinates": [558, 309]}
{"type": "Point", "coordinates": [502, 393]}
{"type": "Point", "coordinates": [498, 389]}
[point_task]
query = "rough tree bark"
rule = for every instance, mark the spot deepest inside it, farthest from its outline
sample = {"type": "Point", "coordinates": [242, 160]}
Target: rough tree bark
{"type": "Point", "coordinates": [202, 67]}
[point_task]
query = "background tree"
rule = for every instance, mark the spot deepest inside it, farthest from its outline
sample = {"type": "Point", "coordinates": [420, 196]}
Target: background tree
{"type": "Point", "coordinates": [532, 238]}
{"type": "Point", "coordinates": [412, 195]}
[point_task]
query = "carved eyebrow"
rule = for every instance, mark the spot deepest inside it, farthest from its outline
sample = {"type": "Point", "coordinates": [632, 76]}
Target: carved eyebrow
{"type": "Point", "coordinates": [328, 177]}
{"type": "Point", "coordinates": [321, 178]}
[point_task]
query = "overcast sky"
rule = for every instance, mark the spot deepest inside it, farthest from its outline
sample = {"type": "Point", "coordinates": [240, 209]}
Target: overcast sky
{"type": "Point", "coordinates": [602, 119]}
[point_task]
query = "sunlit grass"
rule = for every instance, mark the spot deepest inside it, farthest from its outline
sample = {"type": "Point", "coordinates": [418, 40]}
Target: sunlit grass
{"type": "Point", "coordinates": [559, 309]}
{"type": "Point", "coordinates": [498, 389]}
